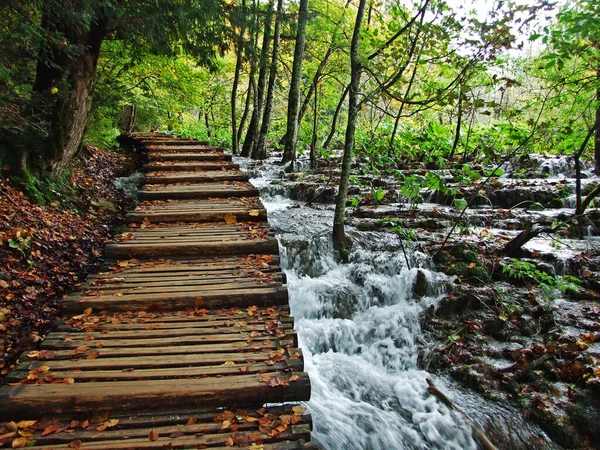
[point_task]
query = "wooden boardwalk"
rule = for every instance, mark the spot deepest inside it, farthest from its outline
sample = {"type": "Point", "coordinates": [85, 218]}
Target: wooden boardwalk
{"type": "Point", "coordinates": [183, 337]}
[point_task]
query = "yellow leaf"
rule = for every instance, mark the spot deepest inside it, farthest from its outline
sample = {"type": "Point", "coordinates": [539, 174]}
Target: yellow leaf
{"type": "Point", "coordinates": [254, 212]}
{"type": "Point", "coordinates": [299, 410]}
{"type": "Point", "coordinates": [3, 284]}
{"type": "Point", "coordinates": [230, 218]}
{"type": "Point", "coordinates": [26, 423]}
{"type": "Point", "coordinates": [54, 90]}
{"type": "Point", "coordinates": [472, 265]}
{"type": "Point", "coordinates": [228, 363]}
{"type": "Point", "coordinates": [19, 442]}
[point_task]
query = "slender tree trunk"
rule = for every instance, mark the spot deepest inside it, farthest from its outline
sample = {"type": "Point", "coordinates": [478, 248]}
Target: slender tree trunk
{"type": "Point", "coordinates": [251, 95]}
{"type": "Point", "coordinates": [262, 82]}
{"type": "Point", "coordinates": [235, 145]}
{"type": "Point", "coordinates": [207, 123]}
{"type": "Point", "coordinates": [458, 123]}
{"type": "Point", "coordinates": [311, 89]}
{"type": "Point", "coordinates": [313, 141]}
{"type": "Point", "coordinates": [289, 151]}
{"type": "Point", "coordinates": [597, 133]}
{"type": "Point", "coordinates": [268, 114]}
{"type": "Point", "coordinates": [336, 114]}
{"type": "Point", "coordinates": [63, 89]}
{"type": "Point", "coordinates": [340, 242]}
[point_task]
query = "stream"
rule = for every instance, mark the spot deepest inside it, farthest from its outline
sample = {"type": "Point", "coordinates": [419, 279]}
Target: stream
{"type": "Point", "coordinates": [358, 327]}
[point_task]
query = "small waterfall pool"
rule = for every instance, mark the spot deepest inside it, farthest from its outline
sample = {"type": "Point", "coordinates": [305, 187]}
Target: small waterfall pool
{"type": "Point", "coordinates": [358, 327]}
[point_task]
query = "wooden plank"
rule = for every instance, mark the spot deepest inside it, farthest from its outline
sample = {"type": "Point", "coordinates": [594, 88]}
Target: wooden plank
{"type": "Point", "coordinates": [179, 426]}
{"type": "Point", "coordinates": [195, 191]}
{"type": "Point", "coordinates": [38, 400]}
{"type": "Point", "coordinates": [210, 299]}
{"type": "Point", "coordinates": [190, 248]}
{"type": "Point", "coordinates": [193, 177]}
{"type": "Point", "coordinates": [187, 166]}
{"type": "Point", "coordinates": [188, 156]}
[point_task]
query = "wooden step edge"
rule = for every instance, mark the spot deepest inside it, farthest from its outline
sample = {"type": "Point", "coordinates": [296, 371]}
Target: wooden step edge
{"type": "Point", "coordinates": [120, 251]}
{"type": "Point", "coordinates": [210, 300]}
{"type": "Point", "coordinates": [203, 217]}
{"type": "Point", "coordinates": [34, 401]}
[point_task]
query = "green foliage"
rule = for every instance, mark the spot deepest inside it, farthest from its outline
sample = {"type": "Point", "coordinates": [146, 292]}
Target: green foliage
{"type": "Point", "coordinates": [528, 271]}
{"type": "Point", "coordinates": [50, 189]}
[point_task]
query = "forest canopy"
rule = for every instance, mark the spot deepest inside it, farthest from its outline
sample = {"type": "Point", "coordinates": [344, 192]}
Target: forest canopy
{"type": "Point", "coordinates": [437, 81]}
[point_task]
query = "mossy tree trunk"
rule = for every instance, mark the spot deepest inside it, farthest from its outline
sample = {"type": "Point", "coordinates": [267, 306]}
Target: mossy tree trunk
{"type": "Point", "coordinates": [289, 151]}
{"type": "Point", "coordinates": [340, 241]}
{"type": "Point", "coordinates": [63, 89]}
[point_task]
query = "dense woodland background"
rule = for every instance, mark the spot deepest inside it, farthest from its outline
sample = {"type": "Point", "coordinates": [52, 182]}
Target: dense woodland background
{"type": "Point", "coordinates": [430, 84]}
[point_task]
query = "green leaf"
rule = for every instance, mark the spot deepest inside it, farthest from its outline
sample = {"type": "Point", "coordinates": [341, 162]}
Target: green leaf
{"type": "Point", "coordinates": [460, 203]}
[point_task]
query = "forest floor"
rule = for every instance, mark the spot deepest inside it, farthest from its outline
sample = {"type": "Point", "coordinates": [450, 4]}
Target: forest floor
{"type": "Point", "coordinates": [48, 250]}
{"type": "Point", "coordinates": [518, 326]}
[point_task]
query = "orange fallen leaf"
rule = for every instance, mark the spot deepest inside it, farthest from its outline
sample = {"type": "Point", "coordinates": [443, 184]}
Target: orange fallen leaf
{"type": "Point", "coordinates": [229, 442]}
{"type": "Point", "coordinates": [92, 355]}
{"type": "Point", "coordinates": [230, 218]}
{"type": "Point", "coordinates": [75, 444]}
{"type": "Point", "coordinates": [153, 436]}
{"type": "Point", "coordinates": [19, 442]}
{"type": "Point", "coordinates": [192, 421]}
{"type": "Point", "coordinates": [69, 380]}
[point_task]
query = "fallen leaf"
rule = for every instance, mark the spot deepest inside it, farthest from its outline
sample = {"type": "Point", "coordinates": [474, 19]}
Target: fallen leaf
{"type": "Point", "coordinates": [254, 212]}
{"type": "Point", "coordinates": [69, 380]}
{"type": "Point", "coordinates": [229, 442]}
{"type": "Point", "coordinates": [228, 363]}
{"type": "Point", "coordinates": [92, 355]}
{"type": "Point", "coordinates": [153, 436]}
{"type": "Point", "coordinates": [299, 410]}
{"type": "Point", "coordinates": [50, 429]}
{"type": "Point", "coordinates": [26, 423]}
{"type": "Point", "coordinates": [230, 218]}
{"type": "Point", "coordinates": [192, 421]}
{"type": "Point", "coordinates": [75, 444]}
{"type": "Point", "coordinates": [3, 284]}
{"type": "Point", "coordinates": [19, 442]}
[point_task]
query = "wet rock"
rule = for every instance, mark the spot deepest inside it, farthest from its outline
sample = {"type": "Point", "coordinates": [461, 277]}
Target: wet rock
{"type": "Point", "coordinates": [421, 284]}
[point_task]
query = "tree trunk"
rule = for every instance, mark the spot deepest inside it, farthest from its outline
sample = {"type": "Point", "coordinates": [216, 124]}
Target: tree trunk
{"type": "Point", "coordinates": [597, 132]}
{"type": "Point", "coordinates": [313, 141]}
{"type": "Point", "coordinates": [311, 89]}
{"type": "Point", "coordinates": [63, 88]}
{"type": "Point", "coordinates": [458, 124]}
{"type": "Point", "coordinates": [336, 114]}
{"type": "Point", "coordinates": [251, 95]}
{"type": "Point", "coordinates": [268, 114]}
{"type": "Point", "coordinates": [262, 80]}
{"type": "Point", "coordinates": [235, 145]}
{"type": "Point", "coordinates": [340, 242]}
{"type": "Point", "coordinates": [289, 151]}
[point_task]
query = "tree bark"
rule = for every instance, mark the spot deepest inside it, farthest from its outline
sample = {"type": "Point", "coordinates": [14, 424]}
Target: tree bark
{"type": "Point", "coordinates": [597, 133]}
{"type": "Point", "coordinates": [340, 242]}
{"type": "Point", "coordinates": [268, 114]}
{"type": "Point", "coordinates": [235, 145]}
{"type": "Point", "coordinates": [313, 141]}
{"type": "Point", "coordinates": [63, 88]}
{"type": "Point", "coordinates": [289, 151]}
{"type": "Point", "coordinates": [458, 123]}
{"type": "Point", "coordinates": [262, 81]}
{"type": "Point", "coordinates": [311, 89]}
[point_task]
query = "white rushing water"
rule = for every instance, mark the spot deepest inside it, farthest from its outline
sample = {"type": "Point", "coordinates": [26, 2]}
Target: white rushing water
{"type": "Point", "coordinates": [358, 328]}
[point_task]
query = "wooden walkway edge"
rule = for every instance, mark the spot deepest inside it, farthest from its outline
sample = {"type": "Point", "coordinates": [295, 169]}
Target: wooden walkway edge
{"type": "Point", "coordinates": [185, 335]}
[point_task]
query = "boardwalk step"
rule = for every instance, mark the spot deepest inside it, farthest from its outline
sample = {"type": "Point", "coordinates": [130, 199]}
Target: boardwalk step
{"type": "Point", "coordinates": [182, 430]}
{"type": "Point", "coordinates": [194, 177]}
{"type": "Point", "coordinates": [165, 150]}
{"type": "Point", "coordinates": [36, 400]}
{"type": "Point", "coordinates": [201, 240]}
{"type": "Point", "coordinates": [197, 190]}
{"type": "Point", "coordinates": [199, 210]}
{"type": "Point", "coordinates": [213, 156]}
{"type": "Point", "coordinates": [189, 166]}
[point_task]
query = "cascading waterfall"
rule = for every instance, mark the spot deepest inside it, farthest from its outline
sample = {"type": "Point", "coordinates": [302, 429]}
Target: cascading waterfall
{"type": "Point", "coordinates": [358, 327]}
